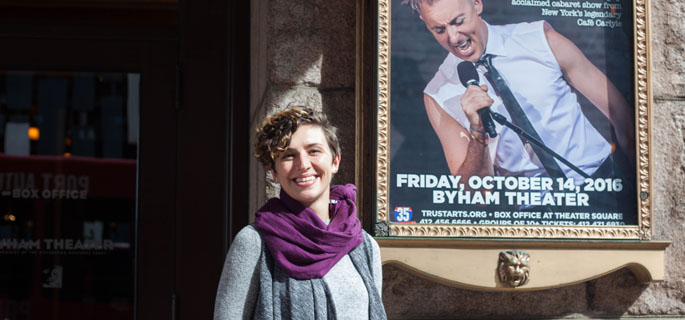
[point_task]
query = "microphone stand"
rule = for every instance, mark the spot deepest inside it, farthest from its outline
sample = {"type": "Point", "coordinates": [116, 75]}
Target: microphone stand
{"type": "Point", "coordinates": [503, 121]}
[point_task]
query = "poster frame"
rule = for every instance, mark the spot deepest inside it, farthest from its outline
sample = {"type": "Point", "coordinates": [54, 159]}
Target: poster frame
{"type": "Point", "coordinates": [373, 136]}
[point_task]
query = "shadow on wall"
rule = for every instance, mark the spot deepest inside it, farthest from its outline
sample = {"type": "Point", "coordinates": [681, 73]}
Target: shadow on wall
{"type": "Point", "coordinates": [311, 61]}
{"type": "Point", "coordinates": [407, 296]}
{"type": "Point", "coordinates": [337, 87]}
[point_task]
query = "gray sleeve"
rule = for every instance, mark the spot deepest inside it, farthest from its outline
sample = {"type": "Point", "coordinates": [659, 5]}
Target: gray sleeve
{"type": "Point", "coordinates": [239, 284]}
{"type": "Point", "coordinates": [377, 267]}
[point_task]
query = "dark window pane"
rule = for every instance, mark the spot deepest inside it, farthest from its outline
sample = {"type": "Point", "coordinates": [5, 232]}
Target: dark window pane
{"type": "Point", "coordinates": [68, 156]}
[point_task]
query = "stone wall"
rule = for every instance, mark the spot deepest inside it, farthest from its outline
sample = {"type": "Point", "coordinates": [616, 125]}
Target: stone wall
{"type": "Point", "coordinates": [304, 53]}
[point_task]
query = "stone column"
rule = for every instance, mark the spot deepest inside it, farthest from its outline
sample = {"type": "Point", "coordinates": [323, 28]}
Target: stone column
{"type": "Point", "coordinates": [303, 53]}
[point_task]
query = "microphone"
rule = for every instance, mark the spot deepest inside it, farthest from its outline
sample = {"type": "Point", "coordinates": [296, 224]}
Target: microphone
{"type": "Point", "coordinates": [469, 77]}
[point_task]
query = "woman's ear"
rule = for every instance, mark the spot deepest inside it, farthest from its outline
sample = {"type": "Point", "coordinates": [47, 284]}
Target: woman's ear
{"type": "Point", "coordinates": [336, 164]}
{"type": "Point", "coordinates": [273, 173]}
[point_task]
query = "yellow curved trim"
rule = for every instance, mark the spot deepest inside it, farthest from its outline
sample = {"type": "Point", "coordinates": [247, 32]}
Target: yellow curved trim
{"type": "Point", "coordinates": [473, 265]}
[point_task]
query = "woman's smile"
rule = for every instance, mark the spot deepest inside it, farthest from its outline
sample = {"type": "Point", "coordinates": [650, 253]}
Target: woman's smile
{"type": "Point", "coordinates": [305, 181]}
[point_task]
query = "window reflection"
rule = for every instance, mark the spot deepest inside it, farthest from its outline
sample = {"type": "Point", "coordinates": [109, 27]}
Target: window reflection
{"type": "Point", "coordinates": [68, 150]}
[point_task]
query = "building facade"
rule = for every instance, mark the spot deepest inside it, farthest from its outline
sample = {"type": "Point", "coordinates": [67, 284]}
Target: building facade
{"type": "Point", "coordinates": [126, 167]}
{"type": "Point", "coordinates": [304, 53]}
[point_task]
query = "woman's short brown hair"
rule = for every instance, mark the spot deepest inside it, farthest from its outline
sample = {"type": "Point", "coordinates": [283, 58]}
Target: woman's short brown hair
{"type": "Point", "coordinates": [275, 132]}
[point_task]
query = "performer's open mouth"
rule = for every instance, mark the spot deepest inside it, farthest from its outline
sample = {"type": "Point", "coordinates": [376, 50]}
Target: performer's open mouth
{"type": "Point", "coordinates": [464, 47]}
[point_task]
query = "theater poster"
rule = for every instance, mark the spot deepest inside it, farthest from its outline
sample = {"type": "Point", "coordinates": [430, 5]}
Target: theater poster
{"type": "Point", "coordinates": [420, 195]}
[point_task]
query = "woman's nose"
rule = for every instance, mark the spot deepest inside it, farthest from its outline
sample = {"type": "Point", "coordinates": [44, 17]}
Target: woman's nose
{"type": "Point", "coordinates": [304, 162]}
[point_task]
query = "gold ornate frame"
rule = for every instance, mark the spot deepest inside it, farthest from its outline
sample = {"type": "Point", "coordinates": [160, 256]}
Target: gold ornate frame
{"type": "Point", "coordinates": [376, 105]}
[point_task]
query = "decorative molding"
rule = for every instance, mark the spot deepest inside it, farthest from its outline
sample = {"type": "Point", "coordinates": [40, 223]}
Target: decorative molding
{"type": "Point", "coordinates": [381, 229]}
{"type": "Point", "coordinates": [643, 115]}
{"type": "Point", "coordinates": [513, 268]}
{"type": "Point", "coordinates": [470, 264]}
{"type": "Point", "coordinates": [383, 143]}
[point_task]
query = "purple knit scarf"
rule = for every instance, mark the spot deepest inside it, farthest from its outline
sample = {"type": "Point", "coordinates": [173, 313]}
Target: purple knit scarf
{"type": "Point", "coordinates": [302, 245]}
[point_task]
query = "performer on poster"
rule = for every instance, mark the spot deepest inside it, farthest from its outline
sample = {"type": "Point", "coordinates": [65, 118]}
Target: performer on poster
{"type": "Point", "coordinates": [543, 70]}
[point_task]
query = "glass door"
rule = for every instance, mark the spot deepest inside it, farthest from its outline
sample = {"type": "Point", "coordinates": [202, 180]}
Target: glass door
{"type": "Point", "coordinates": [87, 169]}
{"type": "Point", "coordinates": [68, 160]}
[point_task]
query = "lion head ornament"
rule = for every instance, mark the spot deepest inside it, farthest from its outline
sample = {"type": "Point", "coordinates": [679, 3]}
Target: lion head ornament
{"type": "Point", "coordinates": [513, 268]}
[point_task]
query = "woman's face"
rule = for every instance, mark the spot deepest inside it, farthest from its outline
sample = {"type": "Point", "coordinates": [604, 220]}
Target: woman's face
{"type": "Point", "coordinates": [305, 169]}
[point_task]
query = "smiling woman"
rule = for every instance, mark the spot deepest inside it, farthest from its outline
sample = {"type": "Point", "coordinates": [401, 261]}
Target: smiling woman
{"type": "Point", "coordinates": [301, 149]}
{"type": "Point", "coordinates": [306, 256]}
